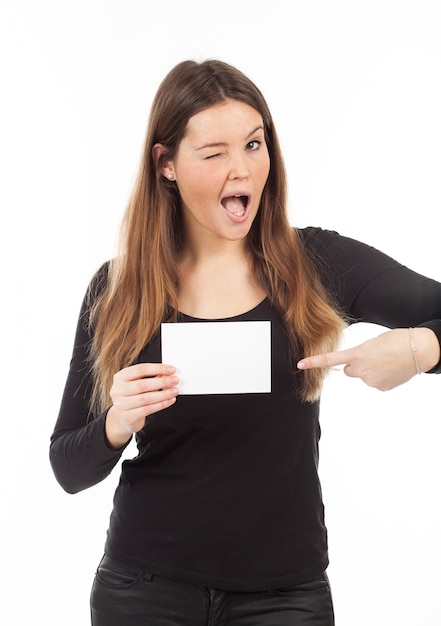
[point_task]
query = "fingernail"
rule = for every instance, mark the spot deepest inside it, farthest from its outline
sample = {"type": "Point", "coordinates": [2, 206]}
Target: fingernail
{"type": "Point", "coordinates": [300, 365]}
{"type": "Point", "coordinates": [170, 369]}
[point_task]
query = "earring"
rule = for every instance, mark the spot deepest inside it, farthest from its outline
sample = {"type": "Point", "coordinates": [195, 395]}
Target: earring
{"type": "Point", "coordinates": [170, 176]}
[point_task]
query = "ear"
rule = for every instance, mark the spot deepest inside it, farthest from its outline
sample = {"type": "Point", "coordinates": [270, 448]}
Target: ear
{"type": "Point", "coordinates": [164, 166]}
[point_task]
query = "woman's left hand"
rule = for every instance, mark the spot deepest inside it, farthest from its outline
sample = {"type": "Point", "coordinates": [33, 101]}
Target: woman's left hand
{"type": "Point", "coordinates": [385, 361]}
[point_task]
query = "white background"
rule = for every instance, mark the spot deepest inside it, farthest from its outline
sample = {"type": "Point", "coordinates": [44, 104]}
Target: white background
{"type": "Point", "coordinates": [355, 90]}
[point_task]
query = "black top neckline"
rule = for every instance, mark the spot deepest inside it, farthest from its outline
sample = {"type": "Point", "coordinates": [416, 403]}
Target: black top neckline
{"type": "Point", "coordinates": [232, 318]}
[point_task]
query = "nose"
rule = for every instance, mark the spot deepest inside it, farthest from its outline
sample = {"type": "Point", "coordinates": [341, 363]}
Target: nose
{"type": "Point", "coordinates": [238, 167]}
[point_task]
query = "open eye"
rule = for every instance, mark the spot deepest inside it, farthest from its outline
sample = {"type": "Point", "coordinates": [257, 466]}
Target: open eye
{"type": "Point", "coordinates": [253, 145]}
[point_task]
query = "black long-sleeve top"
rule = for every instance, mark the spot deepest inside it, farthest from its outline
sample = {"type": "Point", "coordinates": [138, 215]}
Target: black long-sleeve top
{"type": "Point", "coordinates": [224, 491]}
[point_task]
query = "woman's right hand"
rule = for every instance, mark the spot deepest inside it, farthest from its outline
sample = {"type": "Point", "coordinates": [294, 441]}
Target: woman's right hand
{"type": "Point", "coordinates": [137, 392]}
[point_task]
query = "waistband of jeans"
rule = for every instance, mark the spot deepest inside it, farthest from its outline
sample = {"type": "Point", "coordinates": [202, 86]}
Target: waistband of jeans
{"type": "Point", "coordinates": [110, 563]}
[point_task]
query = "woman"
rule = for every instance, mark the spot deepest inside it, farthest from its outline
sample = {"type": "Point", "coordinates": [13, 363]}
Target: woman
{"type": "Point", "coordinates": [219, 518]}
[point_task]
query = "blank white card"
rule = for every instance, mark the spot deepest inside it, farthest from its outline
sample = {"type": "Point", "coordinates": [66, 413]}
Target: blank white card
{"type": "Point", "coordinates": [219, 357]}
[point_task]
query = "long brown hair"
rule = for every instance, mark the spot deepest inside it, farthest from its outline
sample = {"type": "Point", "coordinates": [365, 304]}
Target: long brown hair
{"type": "Point", "coordinates": [142, 283]}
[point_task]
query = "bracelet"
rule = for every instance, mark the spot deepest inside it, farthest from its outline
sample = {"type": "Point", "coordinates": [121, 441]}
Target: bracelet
{"type": "Point", "coordinates": [414, 352]}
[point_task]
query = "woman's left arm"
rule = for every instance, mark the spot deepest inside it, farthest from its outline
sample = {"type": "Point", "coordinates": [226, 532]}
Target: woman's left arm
{"type": "Point", "coordinates": [386, 361]}
{"type": "Point", "coordinates": [375, 288]}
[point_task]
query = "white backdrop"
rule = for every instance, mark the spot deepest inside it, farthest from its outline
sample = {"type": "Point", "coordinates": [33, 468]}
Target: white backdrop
{"type": "Point", "coordinates": [355, 90]}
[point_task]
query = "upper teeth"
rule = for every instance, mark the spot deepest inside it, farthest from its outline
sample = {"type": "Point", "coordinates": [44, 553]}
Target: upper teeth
{"type": "Point", "coordinates": [242, 198]}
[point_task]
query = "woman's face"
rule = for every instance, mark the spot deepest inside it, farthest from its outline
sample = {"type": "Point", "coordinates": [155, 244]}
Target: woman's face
{"type": "Point", "coordinates": [221, 168]}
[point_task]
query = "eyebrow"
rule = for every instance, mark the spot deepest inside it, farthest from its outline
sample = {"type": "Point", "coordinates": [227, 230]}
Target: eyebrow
{"type": "Point", "coordinates": [217, 144]}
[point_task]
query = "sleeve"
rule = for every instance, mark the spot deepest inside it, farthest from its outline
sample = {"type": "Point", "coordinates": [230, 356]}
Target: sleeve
{"type": "Point", "coordinates": [79, 454]}
{"type": "Point", "coordinates": [369, 286]}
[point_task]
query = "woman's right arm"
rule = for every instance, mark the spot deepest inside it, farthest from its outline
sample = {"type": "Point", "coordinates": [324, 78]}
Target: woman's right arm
{"type": "Point", "coordinates": [85, 448]}
{"type": "Point", "coordinates": [79, 453]}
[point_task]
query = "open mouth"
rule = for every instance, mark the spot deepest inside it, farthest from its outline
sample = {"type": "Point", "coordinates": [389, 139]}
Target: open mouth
{"type": "Point", "coordinates": [236, 204]}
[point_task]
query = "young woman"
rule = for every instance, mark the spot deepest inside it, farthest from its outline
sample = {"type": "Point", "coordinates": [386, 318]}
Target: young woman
{"type": "Point", "coordinates": [219, 518]}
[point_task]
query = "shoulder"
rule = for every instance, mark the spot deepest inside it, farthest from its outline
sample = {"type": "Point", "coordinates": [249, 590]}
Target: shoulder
{"type": "Point", "coordinates": [324, 246]}
{"type": "Point", "coordinates": [98, 282]}
{"type": "Point", "coordinates": [319, 239]}
{"type": "Point", "coordinates": [92, 298]}
{"type": "Point", "coordinates": [314, 237]}
{"type": "Point", "coordinates": [344, 265]}
{"type": "Point", "coordinates": [331, 247]}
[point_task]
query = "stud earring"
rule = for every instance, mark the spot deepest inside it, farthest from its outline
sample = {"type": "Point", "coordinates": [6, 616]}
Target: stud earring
{"type": "Point", "coordinates": [170, 176]}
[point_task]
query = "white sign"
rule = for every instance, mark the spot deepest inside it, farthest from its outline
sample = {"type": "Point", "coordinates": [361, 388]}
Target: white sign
{"type": "Point", "coordinates": [219, 357]}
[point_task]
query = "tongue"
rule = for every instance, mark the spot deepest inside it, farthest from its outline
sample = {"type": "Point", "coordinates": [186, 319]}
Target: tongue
{"type": "Point", "coordinates": [232, 204]}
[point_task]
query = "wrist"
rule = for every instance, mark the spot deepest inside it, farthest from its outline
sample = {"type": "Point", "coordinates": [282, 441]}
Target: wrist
{"type": "Point", "coordinates": [116, 436]}
{"type": "Point", "coordinates": [425, 348]}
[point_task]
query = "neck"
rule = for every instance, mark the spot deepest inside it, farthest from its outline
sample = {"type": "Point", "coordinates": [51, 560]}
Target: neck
{"type": "Point", "coordinates": [214, 252]}
{"type": "Point", "coordinates": [217, 282]}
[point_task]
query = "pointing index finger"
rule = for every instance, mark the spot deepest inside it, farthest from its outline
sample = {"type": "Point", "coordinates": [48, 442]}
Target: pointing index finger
{"type": "Point", "coordinates": [329, 359]}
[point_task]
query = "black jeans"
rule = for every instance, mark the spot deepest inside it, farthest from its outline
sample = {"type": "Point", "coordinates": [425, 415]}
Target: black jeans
{"type": "Point", "coordinates": [125, 597]}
